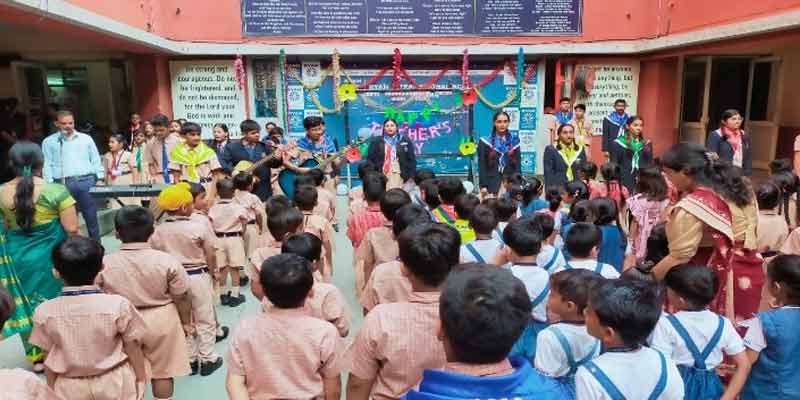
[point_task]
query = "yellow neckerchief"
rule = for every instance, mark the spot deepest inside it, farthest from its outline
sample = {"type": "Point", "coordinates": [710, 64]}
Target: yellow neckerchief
{"type": "Point", "coordinates": [569, 154]}
{"type": "Point", "coordinates": [191, 158]}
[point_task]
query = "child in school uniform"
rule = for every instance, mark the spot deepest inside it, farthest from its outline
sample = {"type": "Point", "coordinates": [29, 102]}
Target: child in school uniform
{"type": "Point", "coordinates": [284, 353]}
{"type": "Point", "coordinates": [429, 192]}
{"type": "Point", "coordinates": [92, 339]}
{"type": "Point", "coordinates": [17, 383]}
{"type": "Point", "coordinates": [387, 283]}
{"type": "Point", "coordinates": [379, 244]}
{"type": "Point", "coordinates": [326, 200]}
{"type": "Point", "coordinates": [422, 175]}
{"type": "Point", "coordinates": [523, 238]}
{"type": "Point", "coordinates": [321, 208]}
{"type": "Point", "coordinates": [506, 211]}
{"type": "Point", "coordinates": [565, 345]}
{"type": "Point", "coordinates": [588, 174]}
{"type": "Point", "coordinates": [550, 257]}
{"type": "Point", "coordinates": [195, 247]}
{"type": "Point", "coordinates": [622, 314]}
{"type": "Point", "coordinates": [361, 221]}
{"type": "Point", "coordinates": [243, 182]}
{"type": "Point", "coordinates": [482, 311]}
{"type": "Point", "coordinates": [157, 285]}
{"type": "Point", "coordinates": [696, 338]}
{"type": "Point", "coordinates": [119, 166]}
{"type": "Point", "coordinates": [485, 247]}
{"type": "Point", "coordinates": [281, 223]}
{"type": "Point", "coordinates": [355, 197]}
{"type": "Point", "coordinates": [397, 341]}
{"type": "Point", "coordinates": [193, 160]}
{"type": "Point", "coordinates": [326, 301]}
{"type": "Point", "coordinates": [448, 189]}
{"type": "Point", "coordinates": [464, 205]}
{"type": "Point", "coordinates": [583, 242]}
{"type": "Point", "coordinates": [305, 199]}
{"type": "Point", "coordinates": [772, 230]}
{"type": "Point", "coordinates": [789, 185]}
{"type": "Point", "coordinates": [555, 211]}
{"type": "Point", "coordinates": [773, 345]}
{"type": "Point", "coordinates": [612, 186]}
{"type": "Point", "coordinates": [614, 244]}
{"type": "Point", "coordinates": [272, 205]}
{"type": "Point", "coordinates": [646, 208]}
{"type": "Point", "coordinates": [229, 219]}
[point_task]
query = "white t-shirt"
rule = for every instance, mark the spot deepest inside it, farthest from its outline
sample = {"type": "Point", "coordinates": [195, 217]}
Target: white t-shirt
{"type": "Point", "coordinates": [606, 270]}
{"type": "Point", "coordinates": [536, 280]}
{"type": "Point", "coordinates": [498, 232]}
{"type": "Point", "coordinates": [546, 255]}
{"type": "Point", "coordinates": [551, 359]}
{"type": "Point", "coordinates": [754, 339]}
{"type": "Point", "coordinates": [701, 326]}
{"type": "Point", "coordinates": [487, 249]}
{"type": "Point", "coordinates": [635, 374]}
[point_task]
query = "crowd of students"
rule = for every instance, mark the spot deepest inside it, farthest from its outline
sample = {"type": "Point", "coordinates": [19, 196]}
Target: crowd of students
{"type": "Point", "coordinates": [533, 293]}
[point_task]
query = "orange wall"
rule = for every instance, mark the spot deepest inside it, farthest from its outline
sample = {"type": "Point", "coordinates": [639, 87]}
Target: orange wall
{"type": "Point", "coordinates": [686, 15]}
{"type": "Point", "coordinates": [658, 83]}
{"type": "Point", "coordinates": [153, 85]}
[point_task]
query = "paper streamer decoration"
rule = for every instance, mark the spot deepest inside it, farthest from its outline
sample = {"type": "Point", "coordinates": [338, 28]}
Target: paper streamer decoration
{"type": "Point", "coordinates": [520, 69]}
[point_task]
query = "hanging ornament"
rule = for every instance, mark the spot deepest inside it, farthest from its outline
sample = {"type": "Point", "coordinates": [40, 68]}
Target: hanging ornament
{"type": "Point", "coordinates": [468, 97]}
{"type": "Point", "coordinates": [467, 147]}
{"type": "Point", "coordinates": [353, 154]}
{"type": "Point", "coordinates": [466, 82]}
{"type": "Point", "coordinates": [335, 67]}
{"type": "Point", "coordinates": [397, 66]}
{"type": "Point", "coordinates": [347, 92]}
{"type": "Point", "coordinates": [241, 75]}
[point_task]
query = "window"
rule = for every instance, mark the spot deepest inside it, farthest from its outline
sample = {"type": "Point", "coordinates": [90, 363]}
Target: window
{"type": "Point", "coordinates": [759, 100]}
{"type": "Point", "coordinates": [694, 78]}
{"type": "Point", "coordinates": [264, 83]}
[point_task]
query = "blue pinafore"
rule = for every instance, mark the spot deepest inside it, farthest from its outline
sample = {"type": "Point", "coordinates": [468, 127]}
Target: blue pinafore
{"type": "Point", "coordinates": [775, 374]}
{"type": "Point", "coordinates": [612, 390]}
{"type": "Point", "coordinates": [567, 382]}
{"type": "Point", "coordinates": [699, 382]}
{"type": "Point", "coordinates": [526, 344]}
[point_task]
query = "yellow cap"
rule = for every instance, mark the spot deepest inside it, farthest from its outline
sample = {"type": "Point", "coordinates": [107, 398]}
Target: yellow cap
{"type": "Point", "coordinates": [174, 197]}
{"type": "Point", "coordinates": [241, 166]}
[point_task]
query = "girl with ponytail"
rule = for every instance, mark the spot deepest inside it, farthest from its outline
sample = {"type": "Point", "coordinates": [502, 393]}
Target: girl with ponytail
{"type": "Point", "coordinates": [714, 224]}
{"type": "Point", "coordinates": [37, 216]}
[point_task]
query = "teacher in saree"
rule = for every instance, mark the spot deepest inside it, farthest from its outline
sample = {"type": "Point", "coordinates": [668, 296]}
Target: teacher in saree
{"type": "Point", "coordinates": [37, 215]}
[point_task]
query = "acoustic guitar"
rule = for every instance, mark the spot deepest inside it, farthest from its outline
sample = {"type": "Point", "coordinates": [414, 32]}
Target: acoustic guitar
{"type": "Point", "coordinates": [286, 177]}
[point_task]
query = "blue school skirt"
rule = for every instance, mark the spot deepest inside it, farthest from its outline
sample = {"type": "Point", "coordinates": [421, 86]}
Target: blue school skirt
{"type": "Point", "coordinates": [700, 384]}
{"type": "Point", "coordinates": [526, 344]}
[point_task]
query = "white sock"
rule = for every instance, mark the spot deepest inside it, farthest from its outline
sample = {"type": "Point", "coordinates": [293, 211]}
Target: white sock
{"type": "Point", "coordinates": [235, 291]}
{"type": "Point", "coordinates": [228, 289]}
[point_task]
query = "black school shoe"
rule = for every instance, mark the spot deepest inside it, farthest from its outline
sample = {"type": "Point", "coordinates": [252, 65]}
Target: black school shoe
{"type": "Point", "coordinates": [225, 299]}
{"type": "Point", "coordinates": [236, 301]}
{"type": "Point", "coordinates": [195, 366]}
{"type": "Point", "coordinates": [208, 368]}
{"type": "Point", "coordinates": [243, 281]}
{"type": "Point", "coordinates": [225, 330]}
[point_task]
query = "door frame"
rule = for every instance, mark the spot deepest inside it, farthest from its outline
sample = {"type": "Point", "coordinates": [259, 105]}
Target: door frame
{"type": "Point", "coordinates": [773, 104]}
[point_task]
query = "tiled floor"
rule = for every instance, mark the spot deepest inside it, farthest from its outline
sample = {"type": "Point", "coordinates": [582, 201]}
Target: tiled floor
{"type": "Point", "coordinates": [213, 387]}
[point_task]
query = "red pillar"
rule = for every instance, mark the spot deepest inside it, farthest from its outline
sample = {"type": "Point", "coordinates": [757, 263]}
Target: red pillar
{"type": "Point", "coordinates": [153, 85]}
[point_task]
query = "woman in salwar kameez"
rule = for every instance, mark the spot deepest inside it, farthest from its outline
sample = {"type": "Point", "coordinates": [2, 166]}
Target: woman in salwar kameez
{"type": "Point", "coordinates": [714, 225]}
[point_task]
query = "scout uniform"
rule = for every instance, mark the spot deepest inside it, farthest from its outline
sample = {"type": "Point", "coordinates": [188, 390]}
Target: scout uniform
{"type": "Point", "coordinates": [150, 280]}
{"type": "Point", "coordinates": [228, 220]}
{"type": "Point", "coordinates": [196, 164]}
{"type": "Point", "coordinates": [254, 207]}
{"type": "Point", "coordinates": [321, 228]}
{"type": "Point", "coordinates": [386, 284]}
{"type": "Point", "coordinates": [378, 246]}
{"type": "Point", "coordinates": [157, 155]}
{"type": "Point", "coordinates": [24, 385]}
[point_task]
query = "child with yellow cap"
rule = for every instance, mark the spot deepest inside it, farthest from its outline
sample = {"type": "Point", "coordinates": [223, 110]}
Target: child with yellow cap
{"type": "Point", "coordinates": [195, 247]}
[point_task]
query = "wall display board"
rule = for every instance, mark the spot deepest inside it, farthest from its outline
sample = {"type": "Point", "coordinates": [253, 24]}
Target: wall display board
{"type": "Point", "coordinates": [616, 80]}
{"type": "Point", "coordinates": [433, 118]}
{"type": "Point", "coordinates": [205, 92]}
{"type": "Point", "coordinates": [411, 17]}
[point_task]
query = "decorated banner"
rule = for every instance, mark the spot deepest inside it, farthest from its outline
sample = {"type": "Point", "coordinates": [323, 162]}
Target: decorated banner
{"type": "Point", "coordinates": [207, 92]}
{"type": "Point", "coordinates": [612, 81]}
{"type": "Point", "coordinates": [411, 17]}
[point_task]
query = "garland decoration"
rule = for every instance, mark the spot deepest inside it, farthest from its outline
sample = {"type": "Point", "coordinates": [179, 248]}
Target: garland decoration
{"type": "Point", "coordinates": [311, 86]}
{"type": "Point", "coordinates": [325, 110]}
{"type": "Point", "coordinates": [241, 74]}
{"type": "Point", "coordinates": [283, 86]}
{"type": "Point", "coordinates": [337, 78]}
{"type": "Point", "coordinates": [466, 82]}
{"type": "Point", "coordinates": [510, 97]}
{"type": "Point", "coordinates": [397, 67]}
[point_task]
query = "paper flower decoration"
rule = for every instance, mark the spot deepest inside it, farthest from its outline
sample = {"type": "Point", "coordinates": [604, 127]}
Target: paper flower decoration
{"type": "Point", "coordinates": [468, 98]}
{"type": "Point", "coordinates": [353, 154]}
{"type": "Point", "coordinates": [467, 147]}
{"type": "Point", "coordinates": [347, 92]}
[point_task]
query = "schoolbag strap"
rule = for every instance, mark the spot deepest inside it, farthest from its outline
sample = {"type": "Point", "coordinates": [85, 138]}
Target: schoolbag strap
{"type": "Point", "coordinates": [714, 339]}
{"type": "Point", "coordinates": [562, 340]}
{"type": "Point", "coordinates": [542, 296]}
{"type": "Point", "coordinates": [472, 250]}
{"type": "Point", "coordinates": [591, 355]}
{"type": "Point", "coordinates": [604, 381]}
{"type": "Point", "coordinates": [699, 360]}
{"type": "Point", "coordinates": [599, 267]}
{"type": "Point", "coordinates": [662, 380]}
{"type": "Point", "coordinates": [568, 266]}
{"type": "Point", "coordinates": [499, 235]}
{"type": "Point", "coordinates": [553, 259]}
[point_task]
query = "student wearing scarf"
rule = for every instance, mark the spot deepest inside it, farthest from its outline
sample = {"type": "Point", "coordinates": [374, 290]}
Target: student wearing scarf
{"type": "Point", "coordinates": [193, 161]}
{"type": "Point", "coordinates": [498, 155]}
{"type": "Point", "coordinates": [394, 153]}
{"type": "Point", "coordinates": [614, 125]}
{"type": "Point", "coordinates": [561, 158]}
{"type": "Point", "coordinates": [318, 144]}
{"type": "Point", "coordinates": [583, 129]}
{"type": "Point", "coordinates": [731, 143]}
{"type": "Point", "coordinates": [632, 152]}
